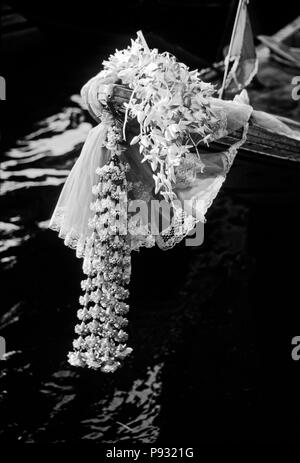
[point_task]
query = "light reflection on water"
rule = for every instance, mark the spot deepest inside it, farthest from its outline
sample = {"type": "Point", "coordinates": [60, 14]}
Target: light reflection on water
{"type": "Point", "coordinates": [143, 401]}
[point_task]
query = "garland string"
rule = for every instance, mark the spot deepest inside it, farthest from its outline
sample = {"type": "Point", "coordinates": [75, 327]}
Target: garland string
{"type": "Point", "coordinates": [101, 341]}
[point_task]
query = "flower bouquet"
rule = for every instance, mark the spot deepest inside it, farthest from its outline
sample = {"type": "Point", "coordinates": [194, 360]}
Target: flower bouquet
{"type": "Point", "coordinates": [144, 177]}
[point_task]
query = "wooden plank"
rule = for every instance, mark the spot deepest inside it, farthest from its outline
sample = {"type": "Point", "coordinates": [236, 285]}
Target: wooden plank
{"type": "Point", "coordinates": [287, 30]}
{"type": "Point", "coordinates": [261, 135]}
{"type": "Point", "coordinates": [259, 140]}
{"type": "Point", "coordinates": [280, 147]}
{"type": "Point", "coordinates": [259, 150]}
{"type": "Point", "coordinates": [263, 51]}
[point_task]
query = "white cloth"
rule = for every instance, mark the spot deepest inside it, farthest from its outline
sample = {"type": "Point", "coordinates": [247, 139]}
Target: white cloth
{"type": "Point", "coordinates": [72, 213]}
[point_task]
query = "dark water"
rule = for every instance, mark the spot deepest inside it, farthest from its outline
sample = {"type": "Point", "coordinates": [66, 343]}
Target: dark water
{"type": "Point", "coordinates": [211, 326]}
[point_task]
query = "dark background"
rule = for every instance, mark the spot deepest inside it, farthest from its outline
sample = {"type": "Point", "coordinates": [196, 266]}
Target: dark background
{"type": "Point", "coordinates": [54, 51]}
{"type": "Point", "coordinates": [211, 326]}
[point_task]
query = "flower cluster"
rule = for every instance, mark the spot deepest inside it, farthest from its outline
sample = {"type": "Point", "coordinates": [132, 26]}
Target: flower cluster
{"type": "Point", "coordinates": [170, 103]}
{"type": "Point", "coordinates": [172, 109]}
{"type": "Point", "coordinates": [101, 341]}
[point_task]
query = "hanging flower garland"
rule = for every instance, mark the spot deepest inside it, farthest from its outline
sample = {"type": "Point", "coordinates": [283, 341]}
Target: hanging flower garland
{"type": "Point", "coordinates": [101, 341]}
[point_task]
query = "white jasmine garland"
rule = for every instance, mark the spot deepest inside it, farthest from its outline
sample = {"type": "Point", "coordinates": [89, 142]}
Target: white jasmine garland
{"type": "Point", "coordinates": [101, 342]}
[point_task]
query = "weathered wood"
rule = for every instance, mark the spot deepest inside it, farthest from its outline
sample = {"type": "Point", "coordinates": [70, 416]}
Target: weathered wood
{"type": "Point", "coordinates": [120, 94]}
{"type": "Point", "coordinates": [259, 140]}
{"type": "Point", "coordinates": [263, 142]}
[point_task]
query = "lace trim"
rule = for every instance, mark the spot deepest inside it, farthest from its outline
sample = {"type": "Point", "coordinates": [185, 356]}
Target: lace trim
{"type": "Point", "coordinates": [171, 236]}
{"type": "Point", "coordinates": [181, 226]}
{"type": "Point", "coordinates": [72, 238]}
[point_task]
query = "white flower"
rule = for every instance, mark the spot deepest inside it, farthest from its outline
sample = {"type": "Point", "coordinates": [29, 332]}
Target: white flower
{"type": "Point", "coordinates": [75, 359]}
{"type": "Point", "coordinates": [107, 264]}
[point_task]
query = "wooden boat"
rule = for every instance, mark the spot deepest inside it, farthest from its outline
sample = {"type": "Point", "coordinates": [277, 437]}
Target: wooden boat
{"type": "Point", "coordinates": [257, 173]}
{"type": "Point", "coordinates": [263, 150]}
{"type": "Point", "coordinates": [266, 169]}
{"type": "Point", "coordinates": [262, 143]}
{"type": "Point", "coordinates": [267, 166]}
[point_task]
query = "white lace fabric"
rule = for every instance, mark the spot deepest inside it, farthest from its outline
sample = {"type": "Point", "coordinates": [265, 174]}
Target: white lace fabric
{"type": "Point", "coordinates": [72, 213]}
